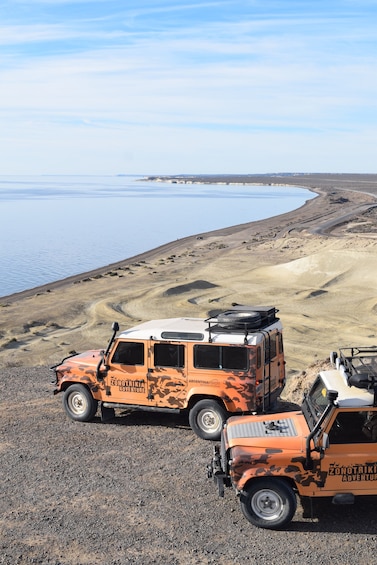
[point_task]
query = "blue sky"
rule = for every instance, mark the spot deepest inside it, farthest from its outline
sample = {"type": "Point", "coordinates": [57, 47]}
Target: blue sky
{"type": "Point", "coordinates": [168, 87]}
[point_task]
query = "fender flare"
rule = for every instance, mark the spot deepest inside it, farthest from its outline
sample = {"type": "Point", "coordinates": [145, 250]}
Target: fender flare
{"type": "Point", "coordinates": [67, 381]}
{"type": "Point", "coordinates": [197, 394]}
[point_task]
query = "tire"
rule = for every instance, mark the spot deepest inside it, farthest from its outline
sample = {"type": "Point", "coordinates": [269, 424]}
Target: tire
{"type": "Point", "coordinates": [79, 403]}
{"type": "Point", "coordinates": [268, 503]}
{"type": "Point", "coordinates": [240, 320]}
{"type": "Point", "coordinates": [207, 418]}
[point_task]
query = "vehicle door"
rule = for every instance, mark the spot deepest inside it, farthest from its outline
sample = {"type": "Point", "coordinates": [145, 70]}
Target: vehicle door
{"type": "Point", "coordinates": [126, 380]}
{"type": "Point", "coordinates": [167, 374]}
{"type": "Point", "coordinates": [349, 463]}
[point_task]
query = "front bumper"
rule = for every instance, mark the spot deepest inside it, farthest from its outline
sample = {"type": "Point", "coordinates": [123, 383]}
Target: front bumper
{"type": "Point", "coordinates": [53, 377]}
{"type": "Point", "coordinates": [215, 471]}
{"type": "Point", "coordinates": [54, 380]}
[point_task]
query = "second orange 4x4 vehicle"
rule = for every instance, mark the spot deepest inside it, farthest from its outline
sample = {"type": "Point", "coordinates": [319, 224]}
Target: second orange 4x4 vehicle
{"type": "Point", "coordinates": [327, 449]}
{"type": "Point", "coordinates": [230, 363]}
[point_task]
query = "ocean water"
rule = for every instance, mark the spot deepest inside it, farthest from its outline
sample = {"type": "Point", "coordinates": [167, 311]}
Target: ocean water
{"type": "Point", "coordinates": [53, 227]}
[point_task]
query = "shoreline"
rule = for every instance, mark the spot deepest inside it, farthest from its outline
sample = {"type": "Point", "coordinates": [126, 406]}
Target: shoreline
{"type": "Point", "coordinates": [305, 181]}
{"type": "Point", "coordinates": [302, 261]}
{"type": "Point", "coordinates": [70, 279]}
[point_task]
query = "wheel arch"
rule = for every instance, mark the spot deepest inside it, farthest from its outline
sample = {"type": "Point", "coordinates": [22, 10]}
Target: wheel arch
{"type": "Point", "coordinates": [196, 397]}
{"type": "Point", "coordinates": [254, 478]}
{"type": "Point", "coordinates": [65, 384]}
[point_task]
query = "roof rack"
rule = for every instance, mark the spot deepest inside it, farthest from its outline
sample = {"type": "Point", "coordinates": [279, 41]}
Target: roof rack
{"type": "Point", "coordinates": [359, 360]}
{"type": "Point", "coordinates": [359, 366]}
{"type": "Point", "coordinates": [241, 320]}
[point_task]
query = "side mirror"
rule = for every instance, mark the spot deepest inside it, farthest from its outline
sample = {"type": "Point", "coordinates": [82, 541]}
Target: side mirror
{"type": "Point", "coordinates": [333, 357]}
{"type": "Point", "coordinates": [325, 441]}
{"type": "Point", "coordinates": [332, 395]}
{"type": "Point", "coordinates": [115, 327]}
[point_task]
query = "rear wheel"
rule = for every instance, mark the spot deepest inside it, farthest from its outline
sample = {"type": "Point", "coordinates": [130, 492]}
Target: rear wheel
{"type": "Point", "coordinates": [268, 503]}
{"type": "Point", "coordinates": [79, 403]}
{"type": "Point", "coordinates": [207, 418]}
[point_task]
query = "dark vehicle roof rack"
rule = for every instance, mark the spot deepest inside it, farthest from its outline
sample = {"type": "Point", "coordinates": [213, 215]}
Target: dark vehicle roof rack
{"type": "Point", "coordinates": [242, 320]}
{"type": "Point", "coordinates": [360, 367]}
{"type": "Point", "coordinates": [359, 360]}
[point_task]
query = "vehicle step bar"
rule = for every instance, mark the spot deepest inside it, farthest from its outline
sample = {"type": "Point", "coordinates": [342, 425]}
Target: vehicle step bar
{"type": "Point", "coordinates": [138, 407]}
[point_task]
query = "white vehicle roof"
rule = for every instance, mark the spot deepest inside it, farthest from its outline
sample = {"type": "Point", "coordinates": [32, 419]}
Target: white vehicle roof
{"type": "Point", "coordinates": [348, 396]}
{"type": "Point", "coordinates": [195, 330]}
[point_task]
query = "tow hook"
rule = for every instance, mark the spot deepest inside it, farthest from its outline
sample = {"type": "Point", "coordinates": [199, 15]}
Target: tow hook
{"type": "Point", "coordinates": [216, 460]}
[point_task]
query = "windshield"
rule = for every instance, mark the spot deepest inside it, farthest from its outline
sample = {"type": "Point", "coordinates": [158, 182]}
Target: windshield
{"type": "Point", "coordinates": [315, 402]}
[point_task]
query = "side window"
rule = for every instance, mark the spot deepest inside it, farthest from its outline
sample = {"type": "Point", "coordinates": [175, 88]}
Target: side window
{"type": "Point", "coordinates": [280, 343]}
{"type": "Point", "coordinates": [259, 358]}
{"type": "Point", "coordinates": [129, 353]}
{"type": "Point", "coordinates": [269, 348]}
{"type": "Point", "coordinates": [234, 358]}
{"type": "Point", "coordinates": [207, 357]}
{"type": "Point", "coordinates": [349, 427]}
{"type": "Point", "coordinates": [169, 355]}
{"type": "Point", "coordinates": [220, 357]}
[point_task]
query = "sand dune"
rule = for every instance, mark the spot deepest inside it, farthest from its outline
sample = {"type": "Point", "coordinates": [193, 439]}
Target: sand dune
{"type": "Point", "coordinates": [317, 265]}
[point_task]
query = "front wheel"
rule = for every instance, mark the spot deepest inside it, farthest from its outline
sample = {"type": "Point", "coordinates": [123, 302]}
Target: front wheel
{"type": "Point", "coordinates": [268, 503]}
{"type": "Point", "coordinates": [207, 418]}
{"type": "Point", "coordinates": [79, 403]}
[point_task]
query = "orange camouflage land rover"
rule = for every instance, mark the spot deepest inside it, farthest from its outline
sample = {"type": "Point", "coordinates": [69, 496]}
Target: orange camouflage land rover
{"type": "Point", "coordinates": [229, 363]}
{"type": "Point", "coordinates": [327, 449]}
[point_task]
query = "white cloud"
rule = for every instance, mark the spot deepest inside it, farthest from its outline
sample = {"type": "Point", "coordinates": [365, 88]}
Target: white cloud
{"type": "Point", "coordinates": [290, 88]}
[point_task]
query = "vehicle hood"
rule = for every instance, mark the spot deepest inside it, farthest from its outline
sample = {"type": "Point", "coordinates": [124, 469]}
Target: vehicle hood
{"type": "Point", "coordinates": [86, 359]}
{"type": "Point", "coordinates": [287, 430]}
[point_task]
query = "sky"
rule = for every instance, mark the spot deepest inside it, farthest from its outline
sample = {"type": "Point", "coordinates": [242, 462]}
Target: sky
{"type": "Point", "coordinates": [153, 87]}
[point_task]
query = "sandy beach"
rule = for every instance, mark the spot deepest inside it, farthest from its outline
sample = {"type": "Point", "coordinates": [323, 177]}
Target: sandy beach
{"type": "Point", "coordinates": [316, 264]}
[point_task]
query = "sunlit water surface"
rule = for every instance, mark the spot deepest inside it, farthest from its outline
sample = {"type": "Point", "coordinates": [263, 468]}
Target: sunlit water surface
{"type": "Point", "coordinates": [53, 227]}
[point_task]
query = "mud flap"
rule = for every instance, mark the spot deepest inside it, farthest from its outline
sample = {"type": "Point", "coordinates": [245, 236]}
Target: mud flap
{"type": "Point", "coordinates": [307, 507]}
{"type": "Point", "coordinates": [107, 414]}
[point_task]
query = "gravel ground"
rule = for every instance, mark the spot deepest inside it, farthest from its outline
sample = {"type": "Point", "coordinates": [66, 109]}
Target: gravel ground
{"type": "Point", "coordinates": [134, 491]}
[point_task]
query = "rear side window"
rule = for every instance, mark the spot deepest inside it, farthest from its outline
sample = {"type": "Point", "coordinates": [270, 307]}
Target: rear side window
{"type": "Point", "coordinates": [259, 358]}
{"type": "Point", "coordinates": [220, 357]}
{"type": "Point", "coordinates": [169, 355]}
{"type": "Point", "coordinates": [270, 348]}
{"type": "Point", "coordinates": [129, 353]}
{"type": "Point", "coordinates": [280, 344]}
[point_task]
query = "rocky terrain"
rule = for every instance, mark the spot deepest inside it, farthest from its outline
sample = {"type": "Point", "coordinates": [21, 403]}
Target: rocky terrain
{"type": "Point", "coordinates": [135, 491]}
